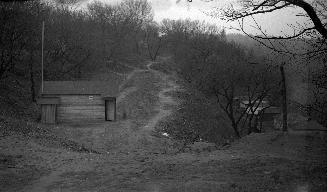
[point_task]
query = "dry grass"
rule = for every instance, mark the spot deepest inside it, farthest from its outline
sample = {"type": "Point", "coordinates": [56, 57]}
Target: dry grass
{"type": "Point", "coordinates": [196, 118]}
{"type": "Point", "coordinates": [41, 134]}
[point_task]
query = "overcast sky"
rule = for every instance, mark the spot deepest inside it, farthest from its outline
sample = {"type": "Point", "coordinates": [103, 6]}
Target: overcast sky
{"type": "Point", "coordinates": [277, 23]}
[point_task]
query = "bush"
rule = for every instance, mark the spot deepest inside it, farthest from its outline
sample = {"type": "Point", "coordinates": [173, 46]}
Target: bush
{"type": "Point", "coordinates": [196, 118]}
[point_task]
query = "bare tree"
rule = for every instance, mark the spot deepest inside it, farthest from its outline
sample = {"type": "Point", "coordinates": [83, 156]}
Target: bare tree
{"type": "Point", "coordinates": [220, 69]}
{"type": "Point", "coordinates": [241, 83]}
{"type": "Point", "coordinates": [118, 24]}
{"type": "Point", "coordinates": [315, 11]}
{"type": "Point", "coordinates": [318, 107]}
{"type": "Point", "coordinates": [66, 50]}
{"type": "Point", "coordinates": [314, 35]}
{"type": "Point", "coordinates": [153, 40]}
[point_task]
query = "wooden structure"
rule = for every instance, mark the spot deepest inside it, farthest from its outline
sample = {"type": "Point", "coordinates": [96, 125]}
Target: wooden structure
{"type": "Point", "coordinates": [78, 101]}
{"type": "Point", "coordinates": [48, 109]}
{"type": "Point", "coordinates": [264, 114]}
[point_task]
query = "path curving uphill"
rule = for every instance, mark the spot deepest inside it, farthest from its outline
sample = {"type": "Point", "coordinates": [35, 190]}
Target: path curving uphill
{"type": "Point", "coordinates": [165, 103]}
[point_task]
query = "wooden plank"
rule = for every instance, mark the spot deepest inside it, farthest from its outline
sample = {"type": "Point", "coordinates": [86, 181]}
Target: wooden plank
{"type": "Point", "coordinates": [80, 119]}
{"type": "Point", "coordinates": [87, 113]}
{"type": "Point", "coordinates": [43, 113]}
{"type": "Point", "coordinates": [81, 105]}
{"type": "Point", "coordinates": [48, 100]}
{"type": "Point", "coordinates": [66, 113]}
{"type": "Point", "coordinates": [53, 114]}
{"type": "Point", "coordinates": [111, 110]}
{"type": "Point", "coordinates": [81, 108]}
{"type": "Point", "coordinates": [80, 116]}
{"type": "Point", "coordinates": [81, 99]}
{"type": "Point", "coordinates": [48, 113]}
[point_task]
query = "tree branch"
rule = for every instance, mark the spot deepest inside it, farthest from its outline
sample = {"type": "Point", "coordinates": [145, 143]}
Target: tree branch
{"type": "Point", "coordinates": [312, 14]}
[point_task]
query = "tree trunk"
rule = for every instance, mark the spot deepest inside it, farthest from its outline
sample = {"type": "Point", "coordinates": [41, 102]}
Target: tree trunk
{"type": "Point", "coordinates": [255, 127]}
{"type": "Point", "coordinates": [32, 83]}
{"type": "Point", "coordinates": [232, 117]}
{"type": "Point", "coordinates": [250, 128]}
{"type": "Point", "coordinates": [284, 98]}
{"type": "Point", "coordinates": [237, 133]}
{"type": "Point", "coordinates": [261, 118]}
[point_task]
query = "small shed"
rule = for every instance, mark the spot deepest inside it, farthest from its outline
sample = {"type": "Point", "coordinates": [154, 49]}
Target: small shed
{"type": "Point", "coordinates": [78, 101]}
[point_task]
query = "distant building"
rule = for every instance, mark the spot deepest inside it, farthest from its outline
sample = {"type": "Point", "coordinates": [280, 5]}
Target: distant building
{"type": "Point", "coordinates": [78, 101]}
{"type": "Point", "coordinates": [256, 107]}
{"type": "Point", "coordinates": [264, 114]}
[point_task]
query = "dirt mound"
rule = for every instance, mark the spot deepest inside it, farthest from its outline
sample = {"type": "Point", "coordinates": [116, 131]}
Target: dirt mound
{"type": "Point", "coordinates": [41, 134]}
{"type": "Point", "coordinates": [282, 144]}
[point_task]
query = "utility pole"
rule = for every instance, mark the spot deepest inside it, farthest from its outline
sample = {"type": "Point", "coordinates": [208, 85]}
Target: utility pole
{"type": "Point", "coordinates": [284, 97]}
{"type": "Point", "coordinates": [42, 60]}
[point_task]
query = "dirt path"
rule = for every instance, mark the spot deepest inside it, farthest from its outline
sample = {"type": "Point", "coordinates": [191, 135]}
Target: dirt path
{"type": "Point", "coordinates": [164, 100]}
{"type": "Point", "coordinates": [45, 182]}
